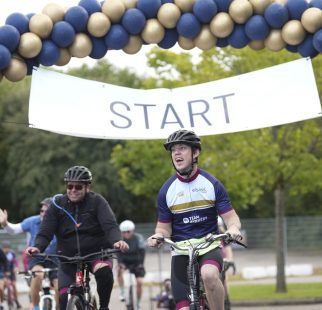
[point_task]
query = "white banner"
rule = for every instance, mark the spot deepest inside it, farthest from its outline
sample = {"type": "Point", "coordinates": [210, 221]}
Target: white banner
{"type": "Point", "coordinates": [277, 95]}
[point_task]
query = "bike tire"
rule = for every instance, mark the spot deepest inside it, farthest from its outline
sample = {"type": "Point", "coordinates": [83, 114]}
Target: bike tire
{"type": "Point", "coordinates": [130, 305]}
{"type": "Point", "coordinates": [75, 303]}
{"type": "Point", "coordinates": [47, 304]}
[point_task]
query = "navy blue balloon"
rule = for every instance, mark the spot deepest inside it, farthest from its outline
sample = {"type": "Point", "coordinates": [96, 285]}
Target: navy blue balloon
{"type": "Point", "coordinates": [133, 20]}
{"type": "Point", "coordinates": [188, 25]}
{"type": "Point", "coordinates": [49, 53]}
{"type": "Point", "coordinates": [223, 5]}
{"type": "Point", "coordinates": [276, 15]}
{"type": "Point", "coordinates": [296, 8]}
{"type": "Point", "coordinates": [149, 7]}
{"type": "Point", "coordinates": [306, 48]}
{"type": "Point", "coordinates": [167, 1]}
{"type": "Point", "coordinates": [204, 10]}
{"type": "Point", "coordinates": [238, 37]}
{"type": "Point", "coordinates": [5, 57]}
{"type": "Point", "coordinates": [317, 41]}
{"type": "Point", "coordinates": [77, 16]}
{"type": "Point", "coordinates": [29, 15]}
{"type": "Point", "coordinates": [31, 62]}
{"type": "Point", "coordinates": [91, 6]}
{"type": "Point", "coordinates": [99, 48]}
{"type": "Point", "coordinates": [291, 48]}
{"type": "Point", "coordinates": [257, 28]}
{"type": "Point", "coordinates": [222, 42]}
{"type": "Point", "coordinates": [170, 39]}
{"type": "Point", "coordinates": [316, 4]}
{"type": "Point", "coordinates": [9, 37]}
{"type": "Point", "coordinates": [63, 34]}
{"type": "Point", "coordinates": [117, 37]}
{"type": "Point", "coordinates": [19, 21]}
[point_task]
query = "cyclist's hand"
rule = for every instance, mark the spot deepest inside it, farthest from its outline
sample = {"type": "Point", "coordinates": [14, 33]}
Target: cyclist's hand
{"type": "Point", "coordinates": [122, 245]}
{"type": "Point", "coordinates": [235, 233]}
{"type": "Point", "coordinates": [3, 217]}
{"type": "Point", "coordinates": [31, 250]}
{"type": "Point", "coordinates": [153, 240]}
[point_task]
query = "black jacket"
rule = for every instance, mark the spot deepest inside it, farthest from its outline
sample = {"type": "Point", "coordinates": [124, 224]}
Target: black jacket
{"type": "Point", "coordinates": [98, 227]}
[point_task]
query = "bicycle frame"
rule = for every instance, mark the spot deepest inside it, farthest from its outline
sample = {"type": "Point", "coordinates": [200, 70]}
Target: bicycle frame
{"type": "Point", "coordinates": [196, 295]}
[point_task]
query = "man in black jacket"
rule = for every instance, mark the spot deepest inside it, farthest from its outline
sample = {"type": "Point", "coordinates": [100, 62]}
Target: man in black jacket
{"type": "Point", "coordinates": [83, 223]}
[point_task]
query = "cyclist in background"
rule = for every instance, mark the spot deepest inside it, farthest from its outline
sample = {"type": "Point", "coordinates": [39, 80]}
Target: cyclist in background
{"type": "Point", "coordinates": [4, 269]}
{"type": "Point", "coordinates": [133, 260]}
{"type": "Point", "coordinates": [165, 299]}
{"type": "Point", "coordinates": [13, 266]}
{"type": "Point", "coordinates": [83, 223]}
{"type": "Point", "coordinates": [31, 225]}
{"type": "Point", "coordinates": [188, 205]}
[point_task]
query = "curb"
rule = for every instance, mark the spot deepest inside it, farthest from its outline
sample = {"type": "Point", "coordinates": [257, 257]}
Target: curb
{"type": "Point", "coordinates": [277, 302]}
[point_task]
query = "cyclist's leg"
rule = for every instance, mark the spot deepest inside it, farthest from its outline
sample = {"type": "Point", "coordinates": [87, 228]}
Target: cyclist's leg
{"type": "Point", "coordinates": [102, 271]}
{"type": "Point", "coordinates": [14, 286]}
{"type": "Point", "coordinates": [120, 280]}
{"type": "Point", "coordinates": [211, 265]}
{"type": "Point", "coordinates": [35, 264]}
{"type": "Point", "coordinates": [139, 273]}
{"type": "Point", "coordinates": [179, 281]}
{"type": "Point", "coordinates": [66, 277]}
{"type": "Point", "coordinates": [1, 289]}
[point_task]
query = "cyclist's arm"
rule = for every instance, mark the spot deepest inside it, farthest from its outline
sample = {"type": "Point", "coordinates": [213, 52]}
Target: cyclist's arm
{"type": "Point", "coordinates": [232, 223]}
{"type": "Point", "coordinates": [12, 229]}
{"type": "Point", "coordinates": [162, 230]}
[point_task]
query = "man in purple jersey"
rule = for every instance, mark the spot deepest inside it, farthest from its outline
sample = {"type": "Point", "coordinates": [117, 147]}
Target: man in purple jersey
{"type": "Point", "coordinates": [188, 207]}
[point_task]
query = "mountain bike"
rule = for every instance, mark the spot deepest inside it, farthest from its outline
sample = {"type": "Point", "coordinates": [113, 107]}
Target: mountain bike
{"type": "Point", "coordinates": [47, 299]}
{"type": "Point", "coordinates": [197, 294]}
{"type": "Point", "coordinates": [226, 266]}
{"type": "Point", "coordinates": [80, 296]}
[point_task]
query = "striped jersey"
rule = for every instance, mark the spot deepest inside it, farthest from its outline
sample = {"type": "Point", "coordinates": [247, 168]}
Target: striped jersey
{"type": "Point", "coordinates": [192, 205]}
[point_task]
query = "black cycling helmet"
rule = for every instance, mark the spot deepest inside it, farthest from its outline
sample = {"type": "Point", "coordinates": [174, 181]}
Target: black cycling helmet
{"type": "Point", "coordinates": [78, 174]}
{"type": "Point", "coordinates": [183, 136]}
{"type": "Point", "coordinates": [46, 201]}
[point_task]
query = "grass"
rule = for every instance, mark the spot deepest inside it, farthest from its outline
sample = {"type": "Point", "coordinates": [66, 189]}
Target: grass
{"type": "Point", "coordinates": [267, 291]}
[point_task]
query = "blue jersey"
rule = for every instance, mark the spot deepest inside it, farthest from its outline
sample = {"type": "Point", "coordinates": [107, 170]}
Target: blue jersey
{"type": "Point", "coordinates": [192, 205]}
{"type": "Point", "coordinates": [32, 224]}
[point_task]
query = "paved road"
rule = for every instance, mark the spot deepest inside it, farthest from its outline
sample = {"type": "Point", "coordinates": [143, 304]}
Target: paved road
{"type": "Point", "coordinates": [159, 263]}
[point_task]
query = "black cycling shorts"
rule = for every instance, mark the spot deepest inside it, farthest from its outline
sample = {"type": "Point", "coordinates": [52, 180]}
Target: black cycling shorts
{"type": "Point", "coordinates": [53, 263]}
{"type": "Point", "coordinates": [179, 279]}
{"type": "Point", "coordinates": [138, 270]}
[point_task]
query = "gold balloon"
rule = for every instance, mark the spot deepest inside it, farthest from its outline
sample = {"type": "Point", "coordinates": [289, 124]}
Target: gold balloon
{"type": "Point", "coordinates": [259, 6]}
{"type": "Point", "coordinates": [16, 71]}
{"type": "Point", "coordinates": [168, 15]}
{"type": "Point", "coordinates": [240, 11]}
{"type": "Point", "coordinates": [98, 24]}
{"type": "Point", "coordinates": [293, 32]}
{"type": "Point", "coordinates": [64, 57]}
{"type": "Point", "coordinates": [113, 9]}
{"type": "Point", "coordinates": [41, 25]}
{"type": "Point", "coordinates": [256, 45]}
{"type": "Point", "coordinates": [274, 41]}
{"type": "Point", "coordinates": [185, 5]}
{"type": "Point", "coordinates": [205, 40]}
{"type": "Point", "coordinates": [153, 31]}
{"type": "Point", "coordinates": [55, 11]}
{"type": "Point", "coordinates": [81, 47]}
{"type": "Point", "coordinates": [129, 4]}
{"type": "Point", "coordinates": [134, 45]}
{"type": "Point", "coordinates": [222, 25]}
{"type": "Point", "coordinates": [312, 19]}
{"type": "Point", "coordinates": [30, 45]}
{"type": "Point", "coordinates": [186, 43]}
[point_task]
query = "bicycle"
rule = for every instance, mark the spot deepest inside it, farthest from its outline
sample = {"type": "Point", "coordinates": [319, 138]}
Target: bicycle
{"type": "Point", "coordinates": [79, 293]}
{"type": "Point", "coordinates": [197, 295]}
{"type": "Point", "coordinates": [47, 299]}
{"type": "Point", "coordinates": [227, 265]}
{"type": "Point", "coordinates": [130, 291]}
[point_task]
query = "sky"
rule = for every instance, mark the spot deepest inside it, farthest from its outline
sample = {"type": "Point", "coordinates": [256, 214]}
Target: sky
{"type": "Point", "coordinates": [136, 62]}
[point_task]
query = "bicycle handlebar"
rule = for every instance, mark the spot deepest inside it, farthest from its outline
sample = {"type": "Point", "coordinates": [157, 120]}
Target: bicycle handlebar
{"type": "Point", "coordinates": [209, 239]}
{"type": "Point", "coordinates": [78, 258]}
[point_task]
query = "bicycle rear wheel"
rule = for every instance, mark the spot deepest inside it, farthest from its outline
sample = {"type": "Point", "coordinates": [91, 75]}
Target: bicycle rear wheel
{"type": "Point", "coordinates": [75, 303]}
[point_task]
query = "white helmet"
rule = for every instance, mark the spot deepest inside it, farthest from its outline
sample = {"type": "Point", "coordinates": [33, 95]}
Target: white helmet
{"type": "Point", "coordinates": [127, 225]}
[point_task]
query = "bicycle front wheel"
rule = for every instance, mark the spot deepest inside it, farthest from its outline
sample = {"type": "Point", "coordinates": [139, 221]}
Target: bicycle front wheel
{"type": "Point", "coordinates": [47, 304]}
{"type": "Point", "coordinates": [75, 303]}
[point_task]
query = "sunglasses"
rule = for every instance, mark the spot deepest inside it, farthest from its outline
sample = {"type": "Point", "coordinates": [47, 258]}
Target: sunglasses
{"type": "Point", "coordinates": [78, 187]}
{"type": "Point", "coordinates": [126, 232]}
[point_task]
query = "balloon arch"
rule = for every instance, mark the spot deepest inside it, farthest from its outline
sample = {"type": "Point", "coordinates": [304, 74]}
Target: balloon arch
{"type": "Point", "coordinates": [91, 28]}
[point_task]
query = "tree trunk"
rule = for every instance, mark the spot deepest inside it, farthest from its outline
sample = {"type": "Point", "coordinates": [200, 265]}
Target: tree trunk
{"type": "Point", "coordinates": [280, 239]}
